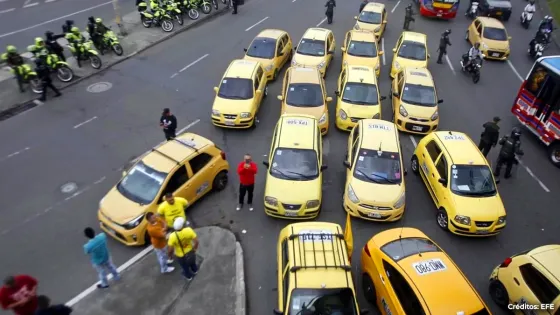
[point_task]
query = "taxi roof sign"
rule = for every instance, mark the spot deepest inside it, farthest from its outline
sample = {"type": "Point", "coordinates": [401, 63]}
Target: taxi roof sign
{"type": "Point", "coordinates": [360, 68]}
{"type": "Point", "coordinates": [379, 126]}
{"type": "Point", "coordinates": [301, 69]}
{"type": "Point", "coordinates": [297, 121]}
{"type": "Point", "coordinates": [421, 74]}
{"type": "Point", "coordinates": [453, 137]}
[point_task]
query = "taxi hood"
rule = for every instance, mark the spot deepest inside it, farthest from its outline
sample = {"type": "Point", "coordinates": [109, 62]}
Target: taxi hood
{"type": "Point", "coordinates": [227, 106]}
{"type": "Point", "coordinates": [496, 44]}
{"type": "Point", "coordinates": [363, 61]}
{"type": "Point", "coordinates": [360, 111]}
{"type": "Point", "coordinates": [404, 62]}
{"type": "Point", "coordinates": [120, 209]}
{"type": "Point", "coordinates": [293, 192]}
{"type": "Point", "coordinates": [479, 208]}
{"type": "Point", "coordinates": [377, 194]}
{"type": "Point", "coordinates": [308, 60]}
{"type": "Point", "coordinates": [419, 111]}
{"type": "Point", "coordinates": [316, 111]}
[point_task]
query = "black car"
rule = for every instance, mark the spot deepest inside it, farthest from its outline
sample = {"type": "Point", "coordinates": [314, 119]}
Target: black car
{"type": "Point", "coordinates": [500, 9]}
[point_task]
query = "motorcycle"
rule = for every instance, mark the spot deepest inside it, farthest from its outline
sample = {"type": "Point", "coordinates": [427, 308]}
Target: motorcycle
{"type": "Point", "coordinates": [203, 5]}
{"type": "Point", "coordinates": [473, 10]}
{"type": "Point", "coordinates": [62, 69]}
{"type": "Point", "coordinates": [187, 6]}
{"type": "Point", "coordinates": [473, 69]}
{"type": "Point", "coordinates": [544, 35]}
{"type": "Point", "coordinates": [172, 10]}
{"type": "Point", "coordinates": [88, 53]}
{"type": "Point", "coordinates": [161, 18]}
{"type": "Point", "coordinates": [110, 41]}
{"type": "Point", "coordinates": [526, 17]}
{"type": "Point", "coordinates": [536, 49]}
{"type": "Point", "coordinates": [28, 76]}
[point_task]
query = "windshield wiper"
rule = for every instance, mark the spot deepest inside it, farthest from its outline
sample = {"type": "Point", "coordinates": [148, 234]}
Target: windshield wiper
{"type": "Point", "coordinates": [384, 178]}
{"type": "Point", "coordinates": [358, 102]}
{"type": "Point", "coordinates": [304, 307]}
{"type": "Point", "coordinates": [234, 97]}
{"type": "Point", "coordinates": [302, 175]}
{"type": "Point", "coordinates": [368, 177]}
{"type": "Point", "coordinates": [275, 169]}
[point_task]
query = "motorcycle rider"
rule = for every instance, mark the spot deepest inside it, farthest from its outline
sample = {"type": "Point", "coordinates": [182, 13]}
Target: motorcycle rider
{"type": "Point", "coordinates": [443, 43]}
{"type": "Point", "coordinates": [490, 136]}
{"type": "Point", "coordinates": [96, 30]}
{"type": "Point", "coordinates": [511, 147]}
{"type": "Point", "coordinates": [470, 6]}
{"type": "Point", "coordinates": [15, 61]}
{"type": "Point", "coordinates": [529, 8]}
{"type": "Point", "coordinates": [77, 40]}
{"type": "Point", "coordinates": [473, 53]}
{"type": "Point", "coordinates": [408, 17]}
{"type": "Point", "coordinates": [53, 46]}
{"type": "Point", "coordinates": [330, 5]}
{"type": "Point", "coordinates": [545, 29]}
{"type": "Point", "coordinates": [39, 50]}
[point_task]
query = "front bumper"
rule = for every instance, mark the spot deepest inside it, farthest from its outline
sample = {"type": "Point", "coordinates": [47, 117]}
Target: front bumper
{"type": "Point", "coordinates": [473, 230]}
{"type": "Point", "coordinates": [280, 211]}
{"type": "Point", "coordinates": [236, 122]}
{"type": "Point", "coordinates": [367, 212]}
{"type": "Point", "coordinates": [496, 54]}
{"type": "Point", "coordinates": [420, 126]}
{"type": "Point", "coordinates": [349, 123]}
{"type": "Point", "coordinates": [134, 237]}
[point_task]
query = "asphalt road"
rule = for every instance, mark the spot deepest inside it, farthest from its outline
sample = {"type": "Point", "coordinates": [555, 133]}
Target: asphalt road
{"type": "Point", "coordinates": [41, 227]}
{"type": "Point", "coordinates": [23, 20]}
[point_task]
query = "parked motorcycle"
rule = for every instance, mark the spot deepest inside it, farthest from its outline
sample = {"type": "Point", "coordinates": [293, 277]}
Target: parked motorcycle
{"type": "Point", "coordinates": [28, 75]}
{"type": "Point", "coordinates": [187, 6]}
{"type": "Point", "coordinates": [527, 17]}
{"type": "Point", "coordinates": [473, 69]}
{"type": "Point", "coordinates": [172, 10]}
{"type": "Point", "coordinates": [88, 53]}
{"type": "Point", "coordinates": [110, 41]}
{"type": "Point", "coordinates": [536, 49]}
{"type": "Point", "coordinates": [162, 19]}
{"type": "Point", "coordinates": [473, 10]}
{"type": "Point", "coordinates": [62, 69]}
{"type": "Point", "coordinates": [203, 5]}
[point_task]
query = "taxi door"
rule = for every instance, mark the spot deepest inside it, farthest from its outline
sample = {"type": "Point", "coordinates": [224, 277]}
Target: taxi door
{"type": "Point", "coordinates": [345, 44]}
{"type": "Point", "coordinates": [286, 50]}
{"type": "Point", "coordinates": [388, 301]}
{"type": "Point", "coordinates": [260, 85]}
{"type": "Point", "coordinates": [475, 31]}
{"type": "Point", "coordinates": [282, 269]}
{"type": "Point", "coordinates": [534, 287]}
{"type": "Point", "coordinates": [280, 53]}
{"type": "Point", "coordinates": [201, 170]}
{"type": "Point", "coordinates": [442, 174]}
{"type": "Point", "coordinates": [427, 160]}
{"type": "Point", "coordinates": [284, 94]}
{"type": "Point", "coordinates": [178, 184]}
{"type": "Point", "coordinates": [396, 90]}
{"type": "Point", "coordinates": [381, 285]}
{"type": "Point", "coordinates": [331, 46]}
{"type": "Point", "coordinates": [383, 23]}
{"type": "Point", "coordinates": [353, 147]}
{"type": "Point", "coordinates": [397, 46]}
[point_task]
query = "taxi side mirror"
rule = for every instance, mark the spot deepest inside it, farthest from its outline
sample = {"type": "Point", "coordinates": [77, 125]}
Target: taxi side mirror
{"type": "Point", "coordinates": [429, 56]}
{"type": "Point", "coordinates": [343, 49]}
{"type": "Point", "coordinates": [440, 101]}
{"type": "Point", "coordinates": [267, 165]}
{"type": "Point", "coordinates": [395, 94]}
{"type": "Point", "coordinates": [380, 53]}
{"type": "Point", "coordinates": [509, 37]}
{"type": "Point", "coordinates": [245, 49]}
{"type": "Point", "coordinates": [216, 89]}
{"type": "Point", "coordinates": [394, 50]}
{"type": "Point", "coordinates": [259, 92]}
{"type": "Point", "coordinates": [123, 173]}
{"type": "Point", "coordinates": [346, 164]}
{"type": "Point", "coordinates": [383, 98]}
{"type": "Point", "coordinates": [280, 97]}
{"type": "Point", "coordinates": [443, 181]}
{"type": "Point", "coordinates": [323, 167]}
{"type": "Point", "coordinates": [384, 22]}
{"type": "Point", "coordinates": [337, 93]}
{"type": "Point", "coordinates": [329, 99]}
{"type": "Point", "coordinates": [277, 312]}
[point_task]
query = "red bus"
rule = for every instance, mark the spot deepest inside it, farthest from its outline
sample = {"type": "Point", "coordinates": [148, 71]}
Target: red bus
{"type": "Point", "coordinates": [441, 9]}
{"type": "Point", "coordinates": [537, 105]}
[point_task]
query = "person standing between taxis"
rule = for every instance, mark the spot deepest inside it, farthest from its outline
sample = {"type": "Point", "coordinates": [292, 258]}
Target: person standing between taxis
{"type": "Point", "coordinates": [490, 136]}
{"type": "Point", "coordinates": [247, 169]}
{"type": "Point", "coordinates": [168, 122]}
{"type": "Point", "coordinates": [157, 230]}
{"type": "Point", "coordinates": [183, 243]}
{"type": "Point", "coordinates": [172, 208]}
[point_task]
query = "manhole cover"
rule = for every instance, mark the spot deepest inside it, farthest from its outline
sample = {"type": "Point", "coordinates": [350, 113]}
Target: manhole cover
{"type": "Point", "coordinates": [68, 188]}
{"type": "Point", "coordinates": [99, 87]}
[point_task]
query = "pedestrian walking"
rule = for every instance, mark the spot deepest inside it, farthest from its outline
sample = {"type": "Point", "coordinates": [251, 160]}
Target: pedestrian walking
{"type": "Point", "coordinates": [172, 208]}
{"type": "Point", "coordinates": [44, 74]}
{"type": "Point", "coordinates": [408, 13]}
{"type": "Point", "coordinates": [183, 244]}
{"type": "Point", "coordinates": [330, 5]}
{"type": "Point", "coordinates": [511, 148]}
{"type": "Point", "coordinates": [157, 229]}
{"type": "Point", "coordinates": [100, 258]}
{"type": "Point", "coordinates": [443, 43]}
{"type": "Point", "coordinates": [363, 5]}
{"type": "Point", "coordinates": [234, 5]}
{"type": "Point", "coordinates": [168, 122]}
{"type": "Point", "coordinates": [247, 169]}
{"type": "Point", "coordinates": [45, 307]}
{"type": "Point", "coordinates": [490, 136]}
{"type": "Point", "coordinates": [19, 294]}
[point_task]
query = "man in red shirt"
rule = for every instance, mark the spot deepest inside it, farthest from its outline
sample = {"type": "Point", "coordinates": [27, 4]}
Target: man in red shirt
{"type": "Point", "coordinates": [19, 294]}
{"type": "Point", "coordinates": [247, 170]}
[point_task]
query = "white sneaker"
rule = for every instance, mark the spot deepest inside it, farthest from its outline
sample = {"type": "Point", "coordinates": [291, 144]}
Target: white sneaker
{"type": "Point", "coordinates": [169, 269]}
{"type": "Point", "coordinates": [169, 261]}
{"type": "Point", "coordinates": [250, 207]}
{"type": "Point", "coordinates": [238, 207]}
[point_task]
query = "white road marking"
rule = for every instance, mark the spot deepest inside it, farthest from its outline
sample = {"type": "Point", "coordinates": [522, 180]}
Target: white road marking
{"type": "Point", "coordinates": [7, 10]}
{"type": "Point", "coordinates": [47, 1]}
{"type": "Point", "coordinates": [515, 70]}
{"type": "Point", "coordinates": [450, 64]}
{"type": "Point", "coordinates": [189, 65]}
{"type": "Point", "coordinates": [11, 155]}
{"type": "Point", "coordinates": [85, 122]}
{"type": "Point", "coordinates": [543, 186]}
{"type": "Point", "coordinates": [120, 269]}
{"type": "Point", "coordinates": [395, 7]}
{"type": "Point", "coordinates": [259, 22]}
{"type": "Point", "coordinates": [322, 21]}
{"type": "Point", "coordinates": [383, 49]}
{"type": "Point", "coordinates": [294, 0]}
{"type": "Point", "coordinates": [56, 19]}
{"type": "Point", "coordinates": [31, 5]}
{"type": "Point", "coordinates": [413, 140]}
{"type": "Point", "coordinates": [188, 126]}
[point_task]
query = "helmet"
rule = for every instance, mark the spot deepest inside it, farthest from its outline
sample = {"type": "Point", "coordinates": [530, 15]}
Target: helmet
{"type": "Point", "coordinates": [91, 19]}
{"type": "Point", "coordinates": [550, 19]}
{"type": "Point", "coordinates": [75, 30]}
{"type": "Point", "coordinates": [532, 2]}
{"type": "Point", "coordinates": [516, 132]}
{"type": "Point", "coordinates": [477, 45]}
{"type": "Point", "coordinates": [11, 49]}
{"type": "Point", "coordinates": [545, 17]}
{"type": "Point", "coordinates": [447, 31]}
{"type": "Point", "coordinates": [98, 20]}
{"type": "Point", "coordinates": [39, 41]}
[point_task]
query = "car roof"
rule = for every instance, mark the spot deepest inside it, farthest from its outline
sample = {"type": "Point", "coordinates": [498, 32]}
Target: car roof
{"type": "Point", "coordinates": [166, 156]}
{"type": "Point", "coordinates": [297, 131]}
{"type": "Point", "coordinates": [271, 33]}
{"type": "Point", "coordinates": [319, 263]}
{"type": "Point", "coordinates": [374, 7]}
{"type": "Point", "coordinates": [490, 22]}
{"type": "Point", "coordinates": [241, 68]}
{"type": "Point", "coordinates": [316, 33]}
{"type": "Point", "coordinates": [304, 75]}
{"type": "Point", "coordinates": [363, 36]}
{"type": "Point", "coordinates": [421, 76]}
{"type": "Point", "coordinates": [548, 257]}
{"type": "Point", "coordinates": [415, 37]}
{"type": "Point", "coordinates": [363, 74]}
{"type": "Point", "coordinates": [379, 135]}
{"type": "Point", "coordinates": [461, 148]}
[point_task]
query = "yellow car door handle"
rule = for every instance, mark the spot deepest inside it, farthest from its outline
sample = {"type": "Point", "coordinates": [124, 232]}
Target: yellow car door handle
{"type": "Point", "coordinates": [516, 281]}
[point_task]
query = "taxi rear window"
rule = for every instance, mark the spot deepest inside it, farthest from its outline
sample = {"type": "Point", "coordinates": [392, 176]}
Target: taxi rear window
{"type": "Point", "coordinates": [404, 247]}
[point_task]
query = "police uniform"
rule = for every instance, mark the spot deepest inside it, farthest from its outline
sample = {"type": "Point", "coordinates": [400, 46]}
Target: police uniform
{"type": "Point", "coordinates": [511, 147]}
{"type": "Point", "coordinates": [443, 43]}
{"type": "Point", "coordinates": [489, 136]}
{"type": "Point", "coordinates": [43, 72]}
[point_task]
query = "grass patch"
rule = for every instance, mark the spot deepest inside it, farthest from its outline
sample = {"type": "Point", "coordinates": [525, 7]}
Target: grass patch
{"type": "Point", "coordinates": [554, 6]}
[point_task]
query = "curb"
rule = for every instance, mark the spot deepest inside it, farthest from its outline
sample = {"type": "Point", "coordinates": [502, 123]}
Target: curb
{"type": "Point", "coordinates": [20, 107]}
{"type": "Point", "coordinates": [241, 300]}
{"type": "Point", "coordinates": [545, 10]}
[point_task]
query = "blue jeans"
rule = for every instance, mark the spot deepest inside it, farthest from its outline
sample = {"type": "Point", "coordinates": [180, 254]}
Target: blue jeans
{"type": "Point", "coordinates": [162, 258]}
{"type": "Point", "coordinates": [188, 264]}
{"type": "Point", "coordinates": [102, 270]}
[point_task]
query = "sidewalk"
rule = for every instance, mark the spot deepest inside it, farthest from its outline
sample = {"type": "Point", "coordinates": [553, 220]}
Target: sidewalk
{"type": "Point", "coordinates": [218, 288]}
{"type": "Point", "coordinates": [138, 39]}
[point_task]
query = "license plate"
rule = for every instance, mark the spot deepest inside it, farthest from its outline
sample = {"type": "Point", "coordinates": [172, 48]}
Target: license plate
{"type": "Point", "coordinates": [439, 14]}
{"type": "Point", "coordinates": [230, 123]}
{"type": "Point", "coordinates": [416, 128]}
{"type": "Point", "coordinates": [290, 214]}
{"type": "Point", "coordinates": [482, 232]}
{"type": "Point", "coordinates": [495, 55]}
{"type": "Point", "coordinates": [498, 13]}
{"type": "Point", "coordinates": [374, 215]}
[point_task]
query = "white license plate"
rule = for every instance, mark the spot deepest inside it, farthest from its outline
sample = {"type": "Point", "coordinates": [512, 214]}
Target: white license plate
{"type": "Point", "coordinates": [482, 232]}
{"type": "Point", "coordinates": [416, 128]}
{"type": "Point", "coordinates": [290, 214]}
{"type": "Point", "coordinates": [495, 55]}
{"type": "Point", "coordinates": [230, 123]}
{"type": "Point", "coordinates": [374, 215]}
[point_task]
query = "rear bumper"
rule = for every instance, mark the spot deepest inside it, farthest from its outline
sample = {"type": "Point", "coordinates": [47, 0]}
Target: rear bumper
{"type": "Point", "coordinates": [436, 13]}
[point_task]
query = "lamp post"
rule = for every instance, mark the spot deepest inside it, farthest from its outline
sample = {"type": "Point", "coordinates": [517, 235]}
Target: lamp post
{"type": "Point", "coordinates": [118, 18]}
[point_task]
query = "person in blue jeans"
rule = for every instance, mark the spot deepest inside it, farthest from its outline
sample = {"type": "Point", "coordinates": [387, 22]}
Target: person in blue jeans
{"type": "Point", "coordinates": [100, 258]}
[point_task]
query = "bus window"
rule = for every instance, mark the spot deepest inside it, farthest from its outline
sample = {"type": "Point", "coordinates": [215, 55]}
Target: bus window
{"type": "Point", "coordinates": [536, 80]}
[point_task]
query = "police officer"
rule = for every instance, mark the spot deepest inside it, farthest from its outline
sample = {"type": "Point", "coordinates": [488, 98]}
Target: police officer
{"type": "Point", "coordinates": [511, 147]}
{"type": "Point", "coordinates": [490, 136]}
{"type": "Point", "coordinates": [53, 46]}
{"type": "Point", "coordinates": [443, 43]}
{"type": "Point", "coordinates": [44, 74]}
{"type": "Point", "coordinates": [330, 5]}
{"type": "Point", "coordinates": [234, 5]}
{"type": "Point", "coordinates": [16, 62]}
{"type": "Point", "coordinates": [408, 17]}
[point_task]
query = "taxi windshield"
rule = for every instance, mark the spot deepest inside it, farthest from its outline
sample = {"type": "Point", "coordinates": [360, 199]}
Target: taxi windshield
{"type": "Point", "coordinates": [362, 49]}
{"type": "Point", "coordinates": [322, 301]}
{"type": "Point", "coordinates": [370, 17]}
{"type": "Point", "coordinates": [311, 47]}
{"type": "Point", "coordinates": [141, 184]}
{"type": "Point", "coordinates": [295, 164]}
{"type": "Point", "coordinates": [404, 247]}
{"type": "Point", "coordinates": [305, 95]}
{"type": "Point", "coordinates": [493, 33]}
{"type": "Point", "coordinates": [378, 167]}
{"type": "Point", "coordinates": [361, 94]}
{"type": "Point", "coordinates": [412, 50]}
{"type": "Point", "coordinates": [422, 95]}
{"type": "Point", "coordinates": [236, 89]}
{"type": "Point", "coordinates": [262, 47]}
{"type": "Point", "coordinates": [472, 180]}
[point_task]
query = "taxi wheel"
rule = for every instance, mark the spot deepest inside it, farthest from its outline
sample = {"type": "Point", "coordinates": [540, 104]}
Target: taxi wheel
{"type": "Point", "coordinates": [498, 293]}
{"type": "Point", "coordinates": [369, 289]}
{"type": "Point", "coordinates": [467, 36]}
{"type": "Point", "coordinates": [265, 91]}
{"type": "Point", "coordinates": [442, 219]}
{"type": "Point", "coordinates": [220, 181]}
{"type": "Point", "coordinates": [414, 165]}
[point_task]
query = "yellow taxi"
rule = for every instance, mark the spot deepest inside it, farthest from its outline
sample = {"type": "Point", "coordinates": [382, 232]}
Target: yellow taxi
{"type": "Point", "coordinates": [304, 92]}
{"type": "Point", "coordinates": [411, 51]}
{"type": "Point", "coordinates": [531, 278]}
{"type": "Point", "coordinates": [405, 272]}
{"type": "Point", "coordinates": [373, 18]}
{"type": "Point", "coordinates": [315, 49]}
{"type": "Point", "coordinates": [492, 36]}
{"type": "Point", "coordinates": [295, 167]}
{"type": "Point", "coordinates": [374, 188]}
{"type": "Point", "coordinates": [461, 184]}
{"type": "Point", "coordinates": [360, 49]}
{"type": "Point", "coordinates": [189, 166]}
{"type": "Point", "coordinates": [240, 94]}
{"type": "Point", "coordinates": [272, 48]}
{"type": "Point", "coordinates": [415, 101]}
{"type": "Point", "coordinates": [314, 272]}
{"type": "Point", "coordinates": [357, 96]}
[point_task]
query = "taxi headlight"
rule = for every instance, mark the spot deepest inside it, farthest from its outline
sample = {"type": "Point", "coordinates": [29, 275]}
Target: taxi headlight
{"type": "Point", "coordinates": [268, 68]}
{"type": "Point", "coordinates": [502, 220]}
{"type": "Point", "coordinates": [352, 195]}
{"type": "Point", "coordinates": [463, 219]}
{"type": "Point", "coordinates": [342, 114]}
{"type": "Point", "coordinates": [356, 27]}
{"type": "Point", "coordinates": [215, 113]}
{"type": "Point", "coordinates": [245, 115]}
{"type": "Point", "coordinates": [435, 116]}
{"type": "Point", "coordinates": [323, 119]}
{"type": "Point", "coordinates": [484, 45]}
{"type": "Point", "coordinates": [377, 29]}
{"type": "Point", "coordinates": [312, 204]}
{"type": "Point", "coordinates": [294, 63]}
{"type": "Point", "coordinates": [376, 116]}
{"type": "Point", "coordinates": [134, 222]}
{"type": "Point", "coordinates": [397, 65]}
{"type": "Point", "coordinates": [403, 111]}
{"type": "Point", "coordinates": [271, 201]}
{"type": "Point", "coordinates": [400, 201]}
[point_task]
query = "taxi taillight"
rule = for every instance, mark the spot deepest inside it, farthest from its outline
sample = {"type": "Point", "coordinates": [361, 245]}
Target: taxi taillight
{"type": "Point", "coordinates": [506, 262]}
{"type": "Point", "coordinates": [223, 155]}
{"type": "Point", "coordinates": [366, 249]}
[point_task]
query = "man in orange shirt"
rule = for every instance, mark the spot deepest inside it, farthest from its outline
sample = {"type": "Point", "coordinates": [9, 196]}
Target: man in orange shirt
{"type": "Point", "coordinates": [157, 230]}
